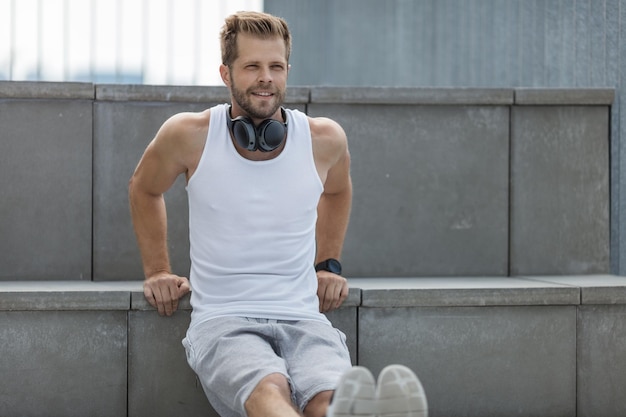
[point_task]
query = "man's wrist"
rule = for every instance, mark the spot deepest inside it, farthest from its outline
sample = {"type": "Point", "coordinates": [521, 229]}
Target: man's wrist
{"type": "Point", "coordinates": [330, 265]}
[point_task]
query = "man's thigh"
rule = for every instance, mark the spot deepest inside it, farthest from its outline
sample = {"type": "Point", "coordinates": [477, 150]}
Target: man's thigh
{"type": "Point", "coordinates": [316, 355]}
{"type": "Point", "coordinates": [231, 355]}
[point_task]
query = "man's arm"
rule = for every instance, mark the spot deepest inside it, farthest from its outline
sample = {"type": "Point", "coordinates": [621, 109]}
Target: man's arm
{"type": "Point", "coordinates": [162, 162]}
{"type": "Point", "coordinates": [333, 163]}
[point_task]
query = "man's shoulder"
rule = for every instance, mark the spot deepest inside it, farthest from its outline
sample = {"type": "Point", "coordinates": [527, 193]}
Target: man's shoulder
{"type": "Point", "coordinates": [188, 121]}
{"type": "Point", "coordinates": [328, 139]}
{"type": "Point", "coordinates": [183, 134]}
{"type": "Point", "coordinates": [324, 127]}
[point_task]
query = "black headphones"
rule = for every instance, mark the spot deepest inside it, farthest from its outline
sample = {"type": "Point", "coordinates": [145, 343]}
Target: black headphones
{"type": "Point", "coordinates": [266, 137]}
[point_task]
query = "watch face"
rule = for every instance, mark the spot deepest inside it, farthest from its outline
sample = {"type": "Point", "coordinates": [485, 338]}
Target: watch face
{"type": "Point", "coordinates": [334, 266]}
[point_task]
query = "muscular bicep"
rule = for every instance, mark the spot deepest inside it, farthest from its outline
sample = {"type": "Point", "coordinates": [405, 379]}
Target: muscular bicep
{"type": "Point", "coordinates": [155, 173]}
{"type": "Point", "coordinates": [338, 177]}
{"type": "Point", "coordinates": [338, 157]}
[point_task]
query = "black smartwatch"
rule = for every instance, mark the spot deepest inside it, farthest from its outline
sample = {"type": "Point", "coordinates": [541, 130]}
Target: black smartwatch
{"type": "Point", "coordinates": [330, 265]}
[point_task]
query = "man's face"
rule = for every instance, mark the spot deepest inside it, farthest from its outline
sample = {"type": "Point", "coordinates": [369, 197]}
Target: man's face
{"type": "Point", "coordinates": [258, 77]}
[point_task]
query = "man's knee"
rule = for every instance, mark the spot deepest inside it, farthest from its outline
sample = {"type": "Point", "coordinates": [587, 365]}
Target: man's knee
{"type": "Point", "coordinates": [268, 389]}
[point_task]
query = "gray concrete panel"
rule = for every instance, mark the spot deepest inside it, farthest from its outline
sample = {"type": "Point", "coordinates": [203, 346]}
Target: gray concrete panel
{"type": "Point", "coordinates": [602, 361]}
{"type": "Point", "coordinates": [45, 187]}
{"type": "Point", "coordinates": [160, 382]}
{"type": "Point", "coordinates": [479, 361]}
{"type": "Point", "coordinates": [430, 189]}
{"type": "Point", "coordinates": [345, 319]}
{"type": "Point", "coordinates": [59, 363]}
{"type": "Point", "coordinates": [559, 190]}
{"type": "Point", "coordinates": [122, 130]}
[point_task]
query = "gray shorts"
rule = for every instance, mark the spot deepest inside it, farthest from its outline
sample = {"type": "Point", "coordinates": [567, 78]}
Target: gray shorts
{"type": "Point", "coordinates": [231, 355]}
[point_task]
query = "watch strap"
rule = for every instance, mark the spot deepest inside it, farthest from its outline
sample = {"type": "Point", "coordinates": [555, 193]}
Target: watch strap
{"type": "Point", "coordinates": [330, 265]}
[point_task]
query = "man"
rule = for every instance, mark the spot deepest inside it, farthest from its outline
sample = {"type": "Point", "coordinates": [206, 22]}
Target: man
{"type": "Point", "coordinates": [269, 197]}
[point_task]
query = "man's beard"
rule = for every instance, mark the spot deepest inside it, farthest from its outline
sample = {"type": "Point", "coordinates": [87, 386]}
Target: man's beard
{"type": "Point", "coordinates": [261, 113]}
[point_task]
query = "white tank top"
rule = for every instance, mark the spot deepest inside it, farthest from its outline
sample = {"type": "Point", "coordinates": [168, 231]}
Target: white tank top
{"type": "Point", "coordinates": [252, 228]}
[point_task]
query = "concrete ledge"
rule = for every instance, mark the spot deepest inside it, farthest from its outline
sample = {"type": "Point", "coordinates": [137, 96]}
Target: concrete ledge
{"type": "Point", "coordinates": [595, 289]}
{"type": "Point", "coordinates": [90, 295]}
{"type": "Point", "coordinates": [46, 90]}
{"type": "Point", "coordinates": [187, 94]}
{"type": "Point", "coordinates": [303, 94]}
{"type": "Point", "coordinates": [138, 301]}
{"type": "Point", "coordinates": [483, 291]}
{"type": "Point", "coordinates": [65, 295]}
{"type": "Point", "coordinates": [364, 292]}
{"type": "Point", "coordinates": [129, 92]}
{"type": "Point", "coordinates": [395, 95]}
{"type": "Point", "coordinates": [564, 96]}
{"type": "Point", "coordinates": [162, 93]}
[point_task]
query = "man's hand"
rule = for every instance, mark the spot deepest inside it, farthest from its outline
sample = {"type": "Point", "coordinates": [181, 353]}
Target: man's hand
{"type": "Point", "coordinates": [332, 290]}
{"type": "Point", "coordinates": [163, 290]}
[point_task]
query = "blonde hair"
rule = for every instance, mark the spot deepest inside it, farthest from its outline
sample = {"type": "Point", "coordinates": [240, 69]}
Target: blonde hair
{"type": "Point", "coordinates": [262, 25]}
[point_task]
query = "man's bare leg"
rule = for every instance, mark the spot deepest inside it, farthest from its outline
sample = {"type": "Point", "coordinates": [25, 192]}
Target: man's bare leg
{"type": "Point", "coordinates": [271, 398]}
{"type": "Point", "coordinates": [318, 405]}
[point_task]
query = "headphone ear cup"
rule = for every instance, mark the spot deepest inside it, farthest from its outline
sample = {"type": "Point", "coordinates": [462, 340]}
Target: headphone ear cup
{"type": "Point", "coordinates": [243, 130]}
{"type": "Point", "coordinates": [270, 134]}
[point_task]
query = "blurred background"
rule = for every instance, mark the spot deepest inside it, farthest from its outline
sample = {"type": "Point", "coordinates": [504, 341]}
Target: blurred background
{"type": "Point", "coordinates": [404, 43]}
{"type": "Point", "coordinates": [114, 41]}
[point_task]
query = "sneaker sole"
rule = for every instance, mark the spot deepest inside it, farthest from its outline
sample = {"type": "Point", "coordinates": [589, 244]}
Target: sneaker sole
{"type": "Point", "coordinates": [355, 395]}
{"type": "Point", "coordinates": [400, 393]}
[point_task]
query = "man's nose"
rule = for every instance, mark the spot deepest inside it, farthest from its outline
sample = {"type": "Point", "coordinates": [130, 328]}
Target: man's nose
{"type": "Point", "coordinates": [265, 75]}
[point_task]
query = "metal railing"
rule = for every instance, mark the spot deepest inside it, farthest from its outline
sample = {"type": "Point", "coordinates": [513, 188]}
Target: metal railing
{"type": "Point", "coordinates": [114, 41]}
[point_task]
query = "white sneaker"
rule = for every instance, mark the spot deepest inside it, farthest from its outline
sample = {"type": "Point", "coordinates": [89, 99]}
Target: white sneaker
{"type": "Point", "coordinates": [355, 395]}
{"type": "Point", "coordinates": [400, 394]}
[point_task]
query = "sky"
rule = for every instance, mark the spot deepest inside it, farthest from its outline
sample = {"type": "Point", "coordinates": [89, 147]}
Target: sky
{"type": "Point", "coordinates": [133, 41]}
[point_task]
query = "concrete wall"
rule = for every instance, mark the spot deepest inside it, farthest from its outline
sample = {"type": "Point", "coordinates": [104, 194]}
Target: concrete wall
{"type": "Point", "coordinates": [447, 182]}
{"type": "Point", "coordinates": [469, 44]}
{"type": "Point", "coordinates": [496, 346]}
{"type": "Point", "coordinates": [492, 188]}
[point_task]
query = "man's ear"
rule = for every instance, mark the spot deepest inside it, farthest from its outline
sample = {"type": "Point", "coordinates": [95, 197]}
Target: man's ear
{"type": "Point", "coordinates": [225, 74]}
